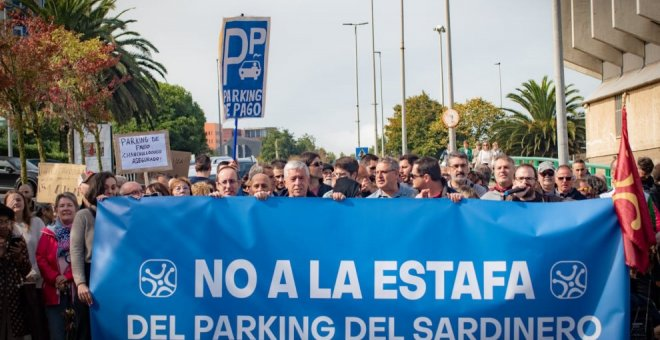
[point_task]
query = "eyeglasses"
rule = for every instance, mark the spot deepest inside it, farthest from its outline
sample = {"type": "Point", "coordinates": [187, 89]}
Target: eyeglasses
{"type": "Point", "coordinates": [383, 172]}
{"type": "Point", "coordinates": [413, 176]}
{"type": "Point", "coordinates": [585, 189]}
{"type": "Point", "coordinates": [548, 173]}
{"type": "Point", "coordinates": [457, 166]}
{"type": "Point", "coordinates": [339, 174]}
{"type": "Point", "coordinates": [529, 179]}
{"type": "Point", "coordinates": [565, 178]}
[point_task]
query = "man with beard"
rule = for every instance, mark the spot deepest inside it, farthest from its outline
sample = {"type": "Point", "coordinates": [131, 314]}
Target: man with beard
{"type": "Point", "coordinates": [427, 179]}
{"type": "Point", "coordinates": [525, 179]}
{"type": "Point", "coordinates": [458, 169]}
{"type": "Point", "coordinates": [405, 166]}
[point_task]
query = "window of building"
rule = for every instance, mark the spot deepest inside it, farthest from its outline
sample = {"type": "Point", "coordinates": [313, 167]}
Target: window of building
{"type": "Point", "coordinates": [618, 104]}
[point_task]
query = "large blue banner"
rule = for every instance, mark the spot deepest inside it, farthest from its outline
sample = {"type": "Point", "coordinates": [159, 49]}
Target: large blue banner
{"type": "Point", "coordinates": [239, 268]}
{"type": "Point", "coordinates": [243, 64]}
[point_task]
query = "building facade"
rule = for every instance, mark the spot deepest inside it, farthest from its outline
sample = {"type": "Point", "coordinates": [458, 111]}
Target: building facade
{"type": "Point", "coordinates": [618, 42]}
{"type": "Point", "coordinates": [221, 140]}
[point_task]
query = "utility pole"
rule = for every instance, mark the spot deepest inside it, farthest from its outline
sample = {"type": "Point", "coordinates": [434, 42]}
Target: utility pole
{"type": "Point", "coordinates": [357, 84]}
{"type": "Point", "coordinates": [560, 92]}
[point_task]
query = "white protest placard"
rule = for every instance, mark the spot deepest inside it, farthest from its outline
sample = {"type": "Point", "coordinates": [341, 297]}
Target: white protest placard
{"type": "Point", "coordinates": [143, 152]}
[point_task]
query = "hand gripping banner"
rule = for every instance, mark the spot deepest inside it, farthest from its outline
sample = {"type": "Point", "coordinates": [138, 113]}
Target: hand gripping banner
{"type": "Point", "coordinates": [239, 268]}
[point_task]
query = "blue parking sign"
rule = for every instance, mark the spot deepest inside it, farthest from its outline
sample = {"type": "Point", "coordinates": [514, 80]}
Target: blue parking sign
{"type": "Point", "coordinates": [244, 59]}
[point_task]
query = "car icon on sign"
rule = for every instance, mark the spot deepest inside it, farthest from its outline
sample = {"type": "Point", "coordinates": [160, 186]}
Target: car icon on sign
{"type": "Point", "coordinates": [250, 69]}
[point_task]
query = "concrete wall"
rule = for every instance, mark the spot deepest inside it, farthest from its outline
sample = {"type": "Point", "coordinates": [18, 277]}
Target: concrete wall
{"type": "Point", "coordinates": [643, 108]}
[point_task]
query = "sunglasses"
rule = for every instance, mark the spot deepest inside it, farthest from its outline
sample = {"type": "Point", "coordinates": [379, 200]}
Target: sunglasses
{"type": "Point", "coordinates": [565, 178]}
{"type": "Point", "coordinates": [317, 164]}
{"type": "Point", "coordinates": [548, 173]}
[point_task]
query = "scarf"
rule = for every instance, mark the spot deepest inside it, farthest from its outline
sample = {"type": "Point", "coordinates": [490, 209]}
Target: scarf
{"type": "Point", "coordinates": [500, 189]}
{"type": "Point", "coordinates": [62, 235]}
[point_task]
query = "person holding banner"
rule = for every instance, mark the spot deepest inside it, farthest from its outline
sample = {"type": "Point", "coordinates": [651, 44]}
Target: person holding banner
{"type": "Point", "coordinates": [227, 182]}
{"type": "Point", "coordinates": [296, 179]}
{"type": "Point", "coordinates": [315, 166]}
{"type": "Point", "coordinates": [54, 262]}
{"type": "Point", "coordinates": [260, 186]}
{"type": "Point", "coordinates": [387, 181]}
{"type": "Point", "coordinates": [104, 185]}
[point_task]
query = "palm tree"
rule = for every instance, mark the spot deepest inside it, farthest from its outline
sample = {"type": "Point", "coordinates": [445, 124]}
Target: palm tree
{"type": "Point", "coordinates": [533, 131]}
{"type": "Point", "coordinates": [135, 98]}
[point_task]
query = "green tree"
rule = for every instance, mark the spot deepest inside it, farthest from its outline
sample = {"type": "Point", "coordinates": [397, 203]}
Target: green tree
{"type": "Point", "coordinates": [304, 143]}
{"type": "Point", "coordinates": [421, 113]}
{"type": "Point", "coordinates": [278, 144]}
{"type": "Point", "coordinates": [181, 116]}
{"type": "Point", "coordinates": [533, 130]}
{"type": "Point", "coordinates": [477, 119]}
{"type": "Point", "coordinates": [135, 98]}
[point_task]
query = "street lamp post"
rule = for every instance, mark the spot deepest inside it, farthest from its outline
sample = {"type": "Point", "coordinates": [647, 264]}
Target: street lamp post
{"type": "Point", "coordinates": [357, 84]}
{"type": "Point", "coordinates": [404, 137]}
{"type": "Point", "coordinates": [373, 64]}
{"type": "Point", "coordinates": [499, 68]}
{"type": "Point", "coordinates": [382, 115]}
{"type": "Point", "coordinates": [440, 30]}
{"type": "Point", "coordinates": [450, 78]}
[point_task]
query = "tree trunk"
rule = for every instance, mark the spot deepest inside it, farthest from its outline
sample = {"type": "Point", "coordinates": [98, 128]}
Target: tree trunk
{"type": "Point", "coordinates": [82, 145]}
{"type": "Point", "coordinates": [69, 145]}
{"type": "Point", "coordinates": [97, 141]}
{"type": "Point", "coordinates": [20, 134]}
{"type": "Point", "coordinates": [40, 144]}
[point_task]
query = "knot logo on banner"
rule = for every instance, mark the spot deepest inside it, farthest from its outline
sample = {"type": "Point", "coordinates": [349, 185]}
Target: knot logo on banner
{"type": "Point", "coordinates": [157, 278]}
{"type": "Point", "coordinates": [568, 279]}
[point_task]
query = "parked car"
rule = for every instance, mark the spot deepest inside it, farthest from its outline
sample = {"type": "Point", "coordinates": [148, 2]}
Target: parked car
{"type": "Point", "coordinates": [10, 174]}
{"type": "Point", "coordinates": [35, 161]}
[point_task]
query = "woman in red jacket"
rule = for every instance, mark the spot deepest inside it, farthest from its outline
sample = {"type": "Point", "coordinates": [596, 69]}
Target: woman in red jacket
{"type": "Point", "coordinates": [55, 265]}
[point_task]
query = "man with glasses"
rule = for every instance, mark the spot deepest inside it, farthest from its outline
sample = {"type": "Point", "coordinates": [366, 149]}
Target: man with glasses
{"type": "Point", "coordinates": [459, 169]}
{"type": "Point", "coordinates": [133, 189]}
{"type": "Point", "coordinates": [564, 180]}
{"type": "Point", "coordinates": [387, 181]}
{"type": "Point", "coordinates": [427, 179]}
{"type": "Point", "coordinates": [315, 165]}
{"type": "Point", "coordinates": [227, 182]}
{"type": "Point", "coordinates": [525, 179]}
{"type": "Point", "coordinates": [546, 177]}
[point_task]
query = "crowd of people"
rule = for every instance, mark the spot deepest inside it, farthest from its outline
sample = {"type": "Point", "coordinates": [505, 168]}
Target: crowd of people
{"type": "Point", "coordinates": [46, 251]}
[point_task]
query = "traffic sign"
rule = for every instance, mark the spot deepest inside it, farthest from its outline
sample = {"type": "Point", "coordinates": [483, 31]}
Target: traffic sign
{"type": "Point", "coordinates": [243, 64]}
{"type": "Point", "coordinates": [360, 151]}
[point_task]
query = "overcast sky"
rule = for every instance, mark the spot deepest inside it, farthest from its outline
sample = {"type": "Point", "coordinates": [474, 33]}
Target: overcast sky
{"type": "Point", "coordinates": [311, 70]}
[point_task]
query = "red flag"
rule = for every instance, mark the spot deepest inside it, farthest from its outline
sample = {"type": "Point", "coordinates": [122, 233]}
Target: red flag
{"type": "Point", "coordinates": [631, 206]}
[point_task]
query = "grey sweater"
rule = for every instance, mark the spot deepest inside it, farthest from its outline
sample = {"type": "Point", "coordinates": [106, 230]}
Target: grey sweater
{"type": "Point", "coordinates": [82, 238]}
